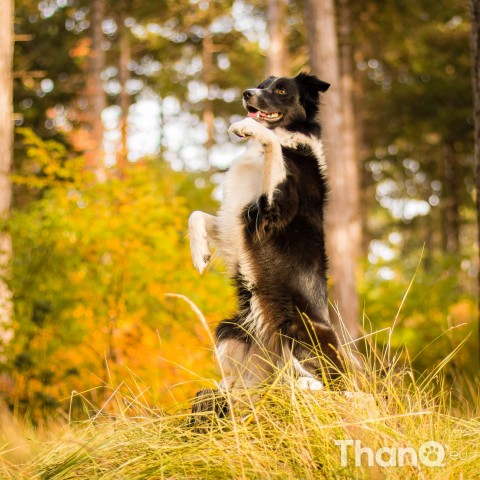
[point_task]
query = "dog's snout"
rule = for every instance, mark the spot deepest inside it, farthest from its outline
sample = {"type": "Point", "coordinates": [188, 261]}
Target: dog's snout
{"type": "Point", "coordinates": [248, 93]}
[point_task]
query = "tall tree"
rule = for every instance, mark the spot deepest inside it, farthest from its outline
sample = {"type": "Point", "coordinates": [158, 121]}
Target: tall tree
{"type": "Point", "coordinates": [123, 76]}
{"type": "Point", "coordinates": [342, 212]}
{"type": "Point", "coordinates": [6, 137]}
{"type": "Point", "coordinates": [95, 92]}
{"type": "Point", "coordinates": [277, 57]}
{"type": "Point", "coordinates": [349, 124]}
{"type": "Point", "coordinates": [207, 70]}
{"type": "Point", "coordinates": [475, 52]}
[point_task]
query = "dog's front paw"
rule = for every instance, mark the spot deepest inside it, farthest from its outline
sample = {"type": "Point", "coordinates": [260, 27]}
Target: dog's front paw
{"type": "Point", "coordinates": [243, 128]}
{"type": "Point", "coordinates": [308, 383]}
{"type": "Point", "coordinates": [198, 241]}
{"type": "Point", "coordinates": [251, 128]}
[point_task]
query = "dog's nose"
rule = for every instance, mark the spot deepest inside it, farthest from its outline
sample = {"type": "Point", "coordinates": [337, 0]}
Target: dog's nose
{"type": "Point", "coordinates": [248, 93]}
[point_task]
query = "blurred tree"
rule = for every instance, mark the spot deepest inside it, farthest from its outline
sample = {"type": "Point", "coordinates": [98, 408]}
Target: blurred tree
{"type": "Point", "coordinates": [415, 111]}
{"type": "Point", "coordinates": [416, 149]}
{"type": "Point", "coordinates": [350, 146]}
{"type": "Point", "coordinates": [48, 66]}
{"type": "Point", "coordinates": [475, 52]}
{"type": "Point", "coordinates": [124, 59]}
{"type": "Point", "coordinates": [6, 137]}
{"type": "Point", "coordinates": [277, 55]}
{"type": "Point", "coordinates": [95, 92]}
{"type": "Point", "coordinates": [160, 47]}
{"type": "Point", "coordinates": [342, 221]}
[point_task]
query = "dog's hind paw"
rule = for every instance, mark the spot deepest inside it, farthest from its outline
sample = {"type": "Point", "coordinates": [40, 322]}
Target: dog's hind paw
{"type": "Point", "coordinates": [308, 383]}
{"type": "Point", "coordinates": [198, 241]}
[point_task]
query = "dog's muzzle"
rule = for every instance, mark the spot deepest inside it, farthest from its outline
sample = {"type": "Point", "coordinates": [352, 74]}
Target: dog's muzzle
{"type": "Point", "coordinates": [247, 94]}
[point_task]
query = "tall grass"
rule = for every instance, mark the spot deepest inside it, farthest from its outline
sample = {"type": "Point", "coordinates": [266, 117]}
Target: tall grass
{"type": "Point", "coordinates": [275, 431]}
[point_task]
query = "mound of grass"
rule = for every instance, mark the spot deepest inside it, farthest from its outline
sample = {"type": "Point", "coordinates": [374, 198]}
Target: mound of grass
{"type": "Point", "coordinates": [274, 432]}
{"type": "Point", "coordinates": [384, 425]}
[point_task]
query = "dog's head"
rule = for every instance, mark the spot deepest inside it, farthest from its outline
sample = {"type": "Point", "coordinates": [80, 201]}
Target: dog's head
{"type": "Point", "coordinates": [282, 101]}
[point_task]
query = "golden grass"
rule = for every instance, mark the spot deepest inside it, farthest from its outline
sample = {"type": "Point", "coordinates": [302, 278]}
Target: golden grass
{"type": "Point", "coordinates": [275, 431]}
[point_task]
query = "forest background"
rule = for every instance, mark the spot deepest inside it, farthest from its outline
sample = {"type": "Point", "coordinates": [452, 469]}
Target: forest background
{"type": "Point", "coordinates": [121, 111]}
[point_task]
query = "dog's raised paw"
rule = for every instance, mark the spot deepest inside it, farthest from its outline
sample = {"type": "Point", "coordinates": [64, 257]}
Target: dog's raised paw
{"type": "Point", "coordinates": [243, 128]}
{"type": "Point", "coordinates": [248, 127]}
{"type": "Point", "coordinates": [198, 241]}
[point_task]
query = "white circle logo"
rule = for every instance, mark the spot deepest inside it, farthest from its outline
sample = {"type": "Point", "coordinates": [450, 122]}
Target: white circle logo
{"type": "Point", "coordinates": [432, 454]}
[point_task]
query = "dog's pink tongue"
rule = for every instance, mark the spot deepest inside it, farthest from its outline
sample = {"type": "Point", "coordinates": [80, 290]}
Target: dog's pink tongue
{"type": "Point", "coordinates": [257, 114]}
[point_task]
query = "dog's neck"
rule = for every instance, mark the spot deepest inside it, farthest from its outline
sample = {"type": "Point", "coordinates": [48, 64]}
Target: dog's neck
{"type": "Point", "coordinates": [295, 140]}
{"type": "Point", "coordinates": [307, 127]}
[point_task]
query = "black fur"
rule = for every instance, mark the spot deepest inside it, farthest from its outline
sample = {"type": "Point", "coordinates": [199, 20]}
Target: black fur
{"type": "Point", "coordinates": [285, 239]}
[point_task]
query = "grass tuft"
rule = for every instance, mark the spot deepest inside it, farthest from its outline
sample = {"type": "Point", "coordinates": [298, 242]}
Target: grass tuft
{"type": "Point", "coordinates": [275, 431]}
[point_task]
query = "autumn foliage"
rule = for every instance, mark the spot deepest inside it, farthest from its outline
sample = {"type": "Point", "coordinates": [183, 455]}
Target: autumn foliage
{"type": "Point", "coordinates": [93, 264]}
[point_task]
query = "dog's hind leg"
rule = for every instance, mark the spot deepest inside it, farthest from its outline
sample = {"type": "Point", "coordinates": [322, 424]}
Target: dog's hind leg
{"type": "Point", "coordinates": [242, 365]}
{"type": "Point", "coordinates": [243, 362]}
{"type": "Point", "coordinates": [202, 228]}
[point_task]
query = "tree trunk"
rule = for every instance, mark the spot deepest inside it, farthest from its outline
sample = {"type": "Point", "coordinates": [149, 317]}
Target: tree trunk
{"type": "Point", "coordinates": [124, 98]}
{"type": "Point", "coordinates": [96, 94]}
{"type": "Point", "coordinates": [6, 145]}
{"type": "Point", "coordinates": [450, 201]}
{"type": "Point", "coordinates": [475, 52]}
{"type": "Point", "coordinates": [277, 57]}
{"type": "Point", "coordinates": [342, 210]}
{"type": "Point", "coordinates": [350, 146]}
{"type": "Point", "coordinates": [207, 72]}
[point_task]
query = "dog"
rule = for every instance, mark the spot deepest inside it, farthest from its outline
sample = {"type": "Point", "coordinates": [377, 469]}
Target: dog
{"type": "Point", "coordinates": [270, 232]}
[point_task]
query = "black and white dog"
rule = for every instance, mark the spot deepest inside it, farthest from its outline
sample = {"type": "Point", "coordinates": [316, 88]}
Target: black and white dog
{"type": "Point", "coordinates": [269, 230]}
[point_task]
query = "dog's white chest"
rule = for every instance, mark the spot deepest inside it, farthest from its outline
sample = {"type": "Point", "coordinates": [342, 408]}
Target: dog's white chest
{"type": "Point", "coordinates": [243, 184]}
{"type": "Point", "coordinates": [243, 181]}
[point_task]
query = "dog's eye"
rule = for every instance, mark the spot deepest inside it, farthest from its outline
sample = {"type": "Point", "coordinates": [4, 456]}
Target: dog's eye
{"type": "Point", "coordinates": [280, 91]}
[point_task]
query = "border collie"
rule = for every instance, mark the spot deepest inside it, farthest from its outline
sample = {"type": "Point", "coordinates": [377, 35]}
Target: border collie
{"type": "Point", "coordinates": [269, 231]}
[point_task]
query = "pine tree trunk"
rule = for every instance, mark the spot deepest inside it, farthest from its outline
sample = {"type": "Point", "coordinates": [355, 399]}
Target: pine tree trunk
{"type": "Point", "coordinates": [6, 145]}
{"type": "Point", "coordinates": [124, 97]}
{"type": "Point", "coordinates": [207, 73]}
{"type": "Point", "coordinates": [96, 94]}
{"type": "Point", "coordinates": [277, 57]}
{"type": "Point", "coordinates": [450, 201]}
{"type": "Point", "coordinates": [349, 128]}
{"type": "Point", "coordinates": [475, 52]}
{"type": "Point", "coordinates": [342, 214]}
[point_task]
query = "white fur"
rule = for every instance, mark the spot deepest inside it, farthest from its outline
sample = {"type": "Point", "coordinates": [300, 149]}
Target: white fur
{"type": "Point", "coordinates": [295, 139]}
{"type": "Point", "coordinates": [226, 383]}
{"type": "Point", "coordinates": [309, 383]}
{"type": "Point", "coordinates": [274, 171]}
{"type": "Point", "coordinates": [241, 366]}
{"type": "Point", "coordinates": [254, 319]}
{"type": "Point", "coordinates": [298, 367]}
{"type": "Point", "coordinates": [243, 184]}
{"type": "Point", "coordinates": [199, 223]}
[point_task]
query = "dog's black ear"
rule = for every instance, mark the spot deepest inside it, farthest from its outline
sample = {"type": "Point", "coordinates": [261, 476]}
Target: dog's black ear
{"type": "Point", "coordinates": [267, 82]}
{"type": "Point", "coordinates": [311, 83]}
{"type": "Point", "coordinates": [324, 86]}
{"type": "Point", "coordinates": [309, 87]}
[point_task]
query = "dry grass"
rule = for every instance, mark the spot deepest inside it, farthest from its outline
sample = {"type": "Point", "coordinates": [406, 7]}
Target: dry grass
{"type": "Point", "coordinates": [274, 432]}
